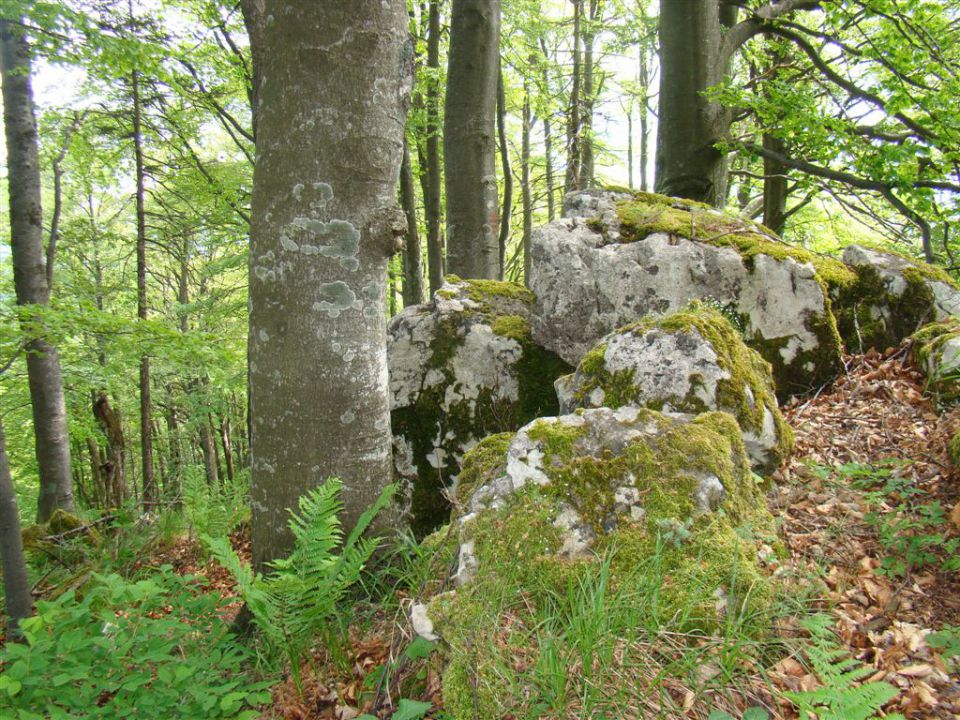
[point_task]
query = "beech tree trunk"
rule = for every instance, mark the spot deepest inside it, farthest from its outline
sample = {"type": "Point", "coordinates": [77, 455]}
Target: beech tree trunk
{"type": "Point", "coordinates": [431, 198]}
{"type": "Point", "coordinates": [149, 494]}
{"type": "Point", "coordinates": [473, 221]}
{"type": "Point", "coordinates": [325, 222]}
{"type": "Point", "coordinates": [412, 265]}
{"type": "Point", "coordinates": [16, 586]}
{"type": "Point", "coordinates": [572, 178]}
{"type": "Point", "coordinates": [688, 163]}
{"type": "Point", "coordinates": [30, 273]}
{"type": "Point", "coordinates": [525, 189]}
{"type": "Point", "coordinates": [113, 464]}
{"type": "Point", "coordinates": [548, 137]}
{"type": "Point", "coordinates": [506, 207]}
{"type": "Point", "coordinates": [589, 95]}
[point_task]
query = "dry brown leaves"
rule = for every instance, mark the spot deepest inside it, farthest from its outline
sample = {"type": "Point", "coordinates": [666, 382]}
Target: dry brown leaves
{"type": "Point", "coordinates": [877, 411]}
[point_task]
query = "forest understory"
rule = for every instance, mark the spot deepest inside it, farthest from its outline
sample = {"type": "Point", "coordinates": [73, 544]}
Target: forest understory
{"type": "Point", "coordinates": [867, 507]}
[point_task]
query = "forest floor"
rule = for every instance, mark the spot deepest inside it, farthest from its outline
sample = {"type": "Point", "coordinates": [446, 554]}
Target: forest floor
{"type": "Point", "coordinates": [867, 503]}
{"type": "Point", "coordinates": [868, 507]}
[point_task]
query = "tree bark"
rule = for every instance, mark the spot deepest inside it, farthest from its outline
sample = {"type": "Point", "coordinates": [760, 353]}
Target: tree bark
{"type": "Point", "coordinates": [112, 468]}
{"type": "Point", "coordinates": [688, 163]}
{"type": "Point", "coordinates": [412, 265]}
{"type": "Point", "coordinates": [432, 199]}
{"type": "Point", "coordinates": [507, 204]}
{"type": "Point", "coordinates": [526, 194]}
{"type": "Point", "coordinates": [227, 447]}
{"type": "Point", "coordinates": [16, 586]}
{"type": "Point", "coordinates": [589, 92]}
{"type": "Point", "coordinates": [30, 273]}
{"type": "Point", "coordinates": [325, 223]}
{"type": "Point", "coordinates": [775, 188]}
{"type": "Point", "coordinates": [548, 137]}
{"type": "Point", "coordinates": [574, 112]}
{"type": "Point", "coordinates": [469, 167]}
{"type": "Point", "coordinates": [149, 494]}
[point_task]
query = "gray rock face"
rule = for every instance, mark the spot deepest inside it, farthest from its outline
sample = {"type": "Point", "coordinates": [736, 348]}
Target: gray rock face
{"type": "Point", "coordinates": [588, 283]}
{"type": "Point", "coordinates": [691, 362]}
{"type": "Point", "coordinates": [892, 298]}
{"type": "Point", "coordinates": [602, 471]}
{"type": "Point", "coordinates": [461, 367]}
{"type": "Point", "coordinates": [891, 270]}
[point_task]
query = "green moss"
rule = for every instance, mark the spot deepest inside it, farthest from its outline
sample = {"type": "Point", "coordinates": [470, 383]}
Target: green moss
{"type": "Point", "coordinates": [429, 418]}
{"type": "Point", "coordinates": [649, 213]}
{"type": "Point", "coordinates": [926, 270]}
{"type": "Point", "coordinates": [953, 448]}
{"type": "Point", "coordinates": [515, 327]}
{"type": "Point", "coordinates": [487, 623]}
{"type": "Point", "coordinates": [447, 294]}
{"type": "Point", "coordinates": [485, 460]}
{"type": "Point", "coordinates": [745, 367]}
{"type": "Point", "coordinates": [926, 345]}
{"type": "Point", "coordinates": [869, 316]}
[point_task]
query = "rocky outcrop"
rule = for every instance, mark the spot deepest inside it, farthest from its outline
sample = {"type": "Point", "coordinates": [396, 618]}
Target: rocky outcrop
{"type": "Point", "coordinates": [693, 361]}
{"type": "Point", "coordinates": [644, 254]}
{"type": "Point", "coordinates": [461, 367]}
{"type": "Point", "coordinates": [889, 298]}
{"type": "Point", "coordinates": [936, 350]}
{"type": "Point", "coordinates": [600, 491]}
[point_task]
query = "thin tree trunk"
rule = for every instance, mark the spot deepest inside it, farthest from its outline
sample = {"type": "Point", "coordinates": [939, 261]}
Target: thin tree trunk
{"type": "Point", "coordinates": [412, 265]}
{"type": "Point", "coordinates": [227, 449]}
{"type": "Point", "coordinates": [589, 99]}
{"type": "Point", "coordinates": [525, 189]}
{"type": "Point", "coordinates": [431, 198]}
{"type": "Point", "coordinates": [96, 473]}
{"type": "Point", "coordinates": [209, 449]}
{"type": "Point", "coordinates": [110, 423]}
{"type": "Point", "coordinates": [30, 274]}
{"type": "Point", "coordinates": [574, 112]}
{"type": "Point", "coordinates": [644, 118]}
{"type": "Point", "coordinates": [469, 140]}
{"type": "Point", "coordinates": [149, 494]}
{"type": "Point", "coordinates": [319, 255]}
{"type": "Point", "coordinates": [630, 145]}
{"type": "Point", "coordinates": [507, 204]}
{"type": "Point", "coordinates": [16, 586]}
{"type": "Point", "coordinates": [548, 137]}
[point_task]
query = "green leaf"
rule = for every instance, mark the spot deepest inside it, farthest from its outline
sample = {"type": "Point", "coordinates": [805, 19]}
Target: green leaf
{"type": "Point", "coordinates": [420, 648]}
{"type": "Point", "coordinates": [411, 710]}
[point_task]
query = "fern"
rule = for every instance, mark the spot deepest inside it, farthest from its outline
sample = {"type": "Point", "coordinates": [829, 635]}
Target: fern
{"type": "Point", "coordinates": [298, 600]}
{"type": "Point", "coordinates": [840, 697]}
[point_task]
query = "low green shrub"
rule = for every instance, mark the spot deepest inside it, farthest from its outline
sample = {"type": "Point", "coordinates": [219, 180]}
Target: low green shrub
{"type": "Point", "coordinates": [151, 649]}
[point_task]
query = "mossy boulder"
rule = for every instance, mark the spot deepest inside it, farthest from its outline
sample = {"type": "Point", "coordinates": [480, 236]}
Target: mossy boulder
{"type": "Point", "coordinates": [936, 350]}
{"type": "Point", "coordinates": [641, 254]}
{"type": "Point", "coordinates": [61, 526]}
{"type": "Point", "coordinates": [692, 361]}
{"type": "Point", "coordinates": [660, 505]}
{"type": "Point", "coordinates": [889, 298]}
{"type": "Point", "coordinates": [461, 367]}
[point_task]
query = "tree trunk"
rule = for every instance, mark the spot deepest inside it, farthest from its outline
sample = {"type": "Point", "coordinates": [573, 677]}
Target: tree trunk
{"type": "Point", "coordinates": [574, 112]}
{"type": "Point", "coordinates": [548, 137]}
{"type": "Point", "coordinates": [431, 198]}
{"type": "Point", "coordinates": [630, 145]}
{"type": "Point", "coordinates": [324, 224]}
{"type": "Point", "coordinates": [16, 586]}
{"type": "Point", "coordinates": [644, 102]}
{"type": "Point", "coordinates": [689, 165]}
{"type": "Point", "coordinates": [112, 469]}
{"type": "Point", "coordinates": [209, 448]}
{"type": "Point", "coordinates": [149, 495]}
{"type": "Point", "coordinates": [525, 189]}
{"type": "Point", "coordinates": [507, 204]}
{"type": "Point", "coordinates": [96, 474]}
{"type": "Point", "coordinates": [227, 449]}
{"type": "Point", "coordinates": [775, 188]}
{"type": "Point", "coordinates": [30, 273]}
{"type": "Point", "coordinates": [412, 266]}
{"type": "Point", "coordinates": [468, 137]}
{"type": "Point", "coordinates": [589, 99]}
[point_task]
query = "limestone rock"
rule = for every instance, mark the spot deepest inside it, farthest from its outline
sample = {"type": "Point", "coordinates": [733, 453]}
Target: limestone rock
{"type": "Point", "coordinates": [567, 499]}
{"type": "Point", "coordinates": [692, 361]}
{"type": "Point", "coordinates": [653, 255]}
{"type": "Point", "coordinates": [936, 350]}
{"type": "Point", "coordinates": [890, 298]}
{"type": "Point", "coordinates": [461, 367]}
